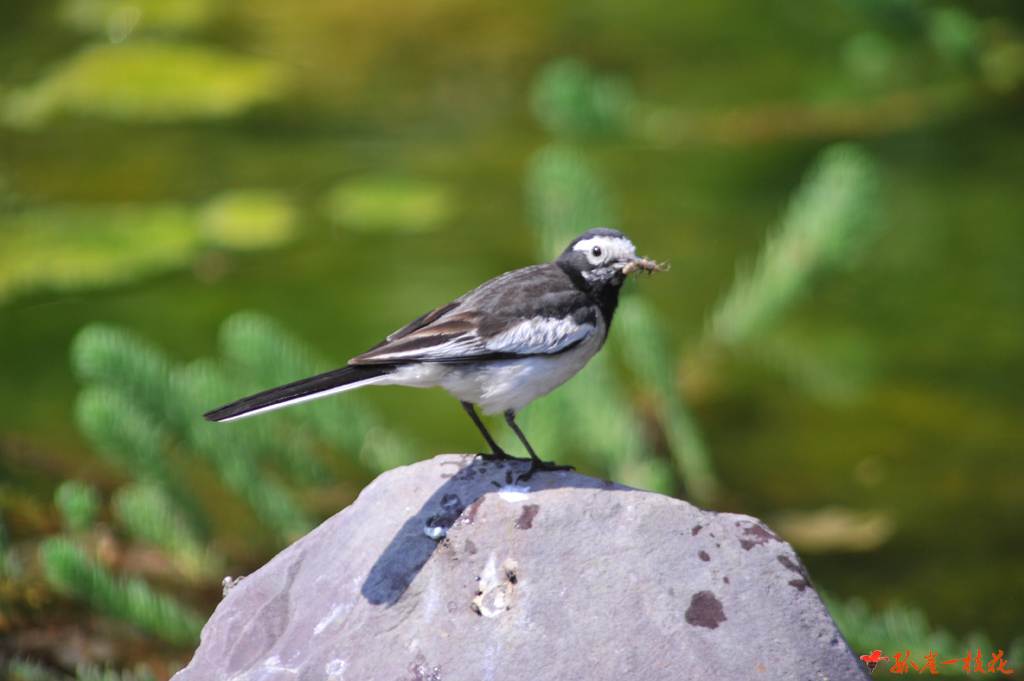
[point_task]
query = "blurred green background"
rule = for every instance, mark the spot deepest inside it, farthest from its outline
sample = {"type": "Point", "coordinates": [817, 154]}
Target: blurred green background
{"type": "Point", "coordinates": [203, 198]}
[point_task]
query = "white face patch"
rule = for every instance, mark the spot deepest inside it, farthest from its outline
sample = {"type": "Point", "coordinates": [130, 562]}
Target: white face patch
{"type": "Point", "coordinates": [601, 250]}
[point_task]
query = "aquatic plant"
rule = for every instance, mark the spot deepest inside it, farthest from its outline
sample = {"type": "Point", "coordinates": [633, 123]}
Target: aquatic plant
{"type": "Point", "coordinates": [65, 247]}
{"type": "Point", "coordinates": [385, 203]}
{"type": "Point", "coordinates": [147, 81]}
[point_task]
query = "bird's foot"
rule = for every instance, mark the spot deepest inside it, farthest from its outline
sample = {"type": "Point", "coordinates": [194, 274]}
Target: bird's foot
{"type": "Point", "coordinates": [538, 465]}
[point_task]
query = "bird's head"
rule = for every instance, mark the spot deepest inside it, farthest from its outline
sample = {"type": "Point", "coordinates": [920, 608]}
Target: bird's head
{"type": "Point", "coordinates": [603, 257]}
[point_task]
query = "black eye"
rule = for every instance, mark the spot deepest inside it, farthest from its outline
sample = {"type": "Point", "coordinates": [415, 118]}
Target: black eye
{"type": "Point", "coordinates": [596, 250]}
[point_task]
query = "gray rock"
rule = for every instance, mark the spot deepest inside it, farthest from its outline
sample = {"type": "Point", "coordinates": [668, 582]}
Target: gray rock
{"type": "Point", "coordinates": [447, 570]}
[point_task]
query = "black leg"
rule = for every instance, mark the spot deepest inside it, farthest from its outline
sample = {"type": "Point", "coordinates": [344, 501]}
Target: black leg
{"type": "Point", "coordinates": [497, 453]}
{"type": "Point", "coordinates": [536, 464]}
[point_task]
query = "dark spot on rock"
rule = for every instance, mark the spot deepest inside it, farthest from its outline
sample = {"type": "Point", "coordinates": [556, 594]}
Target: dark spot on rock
{"type": "Point", "coordinates": [788, 563]}
{"type": "Point", "coordinates": [468, 473]}
{"type": "Point", "coordinates": [760, 533]}
{"type": "Point", "coordinates": [792, 566]}
{"type": "Point", "coordinates": [470, 514]}
{"type": "Point", "coordinates": [696, 530]}
{"type": "Point", "coordinates": [508, 477]}
{"type": "Point", "coordinates": [452, 607]}
{"type": "Point", "coordinates": [608, 483]}
{"type": "Point", "coordinates": [704, 556]}
{"type": "Point", "coordinates": [470, 547]}
{"type": "Point", "coordinates": [525, 521]}
{"type": "Point", "coordinates": [496, 484]}
{"type": "Point", "coordinates": [671, 591]}
{"type": "Point", "coordinates": [438, 524]}
{"type": "Point", "coordinates": [450, 502]}
{"type": "Point", "coordinates": [511, 575]}
{"type": "Point", "coordinates": [705, 611]}
{"type": "Point", "coordinates": [725, 579]}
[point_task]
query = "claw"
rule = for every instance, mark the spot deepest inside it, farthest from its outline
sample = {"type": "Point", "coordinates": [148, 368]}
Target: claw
{"type": "Point", "coordinates": [501, 455]}
{"type": "Point", "coordinates": [539, 465]}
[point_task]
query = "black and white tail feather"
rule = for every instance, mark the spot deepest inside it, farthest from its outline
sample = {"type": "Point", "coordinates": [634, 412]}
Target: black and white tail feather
{"type": "Point", "coordinates": [502, 345]}
{"type": "Point", "coordinates": [328, 383]}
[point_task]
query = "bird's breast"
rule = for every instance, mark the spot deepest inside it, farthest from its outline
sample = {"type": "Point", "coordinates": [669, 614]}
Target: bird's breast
{"type": "Point", "coordinates": [507, 384]}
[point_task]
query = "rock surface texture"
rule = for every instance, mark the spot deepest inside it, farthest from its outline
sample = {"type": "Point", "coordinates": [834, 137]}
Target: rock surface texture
{"type": "Point", "coordinates": [447, 570]}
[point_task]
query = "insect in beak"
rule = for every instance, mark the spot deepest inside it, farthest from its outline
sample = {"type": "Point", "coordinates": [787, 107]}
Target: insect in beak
{"type": "Point", "coordinates": [643, 264]}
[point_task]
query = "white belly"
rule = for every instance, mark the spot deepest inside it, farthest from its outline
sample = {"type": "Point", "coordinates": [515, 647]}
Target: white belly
{"type": "Point", "coordinates": [497, 387]}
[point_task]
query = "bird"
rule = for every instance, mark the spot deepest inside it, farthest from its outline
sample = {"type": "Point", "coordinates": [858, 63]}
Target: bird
{"type": "Point", "coordinates": [507, 342]}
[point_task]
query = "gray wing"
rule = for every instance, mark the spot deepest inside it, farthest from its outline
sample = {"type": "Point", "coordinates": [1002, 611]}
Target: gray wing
{"type": "Point", "coordinates": [496, 320]}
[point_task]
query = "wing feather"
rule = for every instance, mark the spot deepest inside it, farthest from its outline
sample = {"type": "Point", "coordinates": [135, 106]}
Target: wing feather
{"type": "Point", "coordinates": [540, 336]}
{"type": "Point", "coordinates": [497, 320]}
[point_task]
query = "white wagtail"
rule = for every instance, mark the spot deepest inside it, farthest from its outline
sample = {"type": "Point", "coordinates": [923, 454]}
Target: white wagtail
{"type": "Point", "coordinates": [500, 346]}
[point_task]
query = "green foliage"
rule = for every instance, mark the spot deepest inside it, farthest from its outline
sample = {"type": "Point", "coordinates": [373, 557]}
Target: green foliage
{"type": "Point", "coordinates": [107, 355]}
{"type": "Point", "coordinates": [147, 81]}
{"type": "Point", "coordinates": [141, 410]}
{"type": "Point", "coordinates": [109, 17]}
{"type": "Point", "coordinates": [90, 673]}
{"type": "Point", "coordinates": [900, 628]}
{"type": "Point", "coordinates": [906, 17]}
{"type": "Point", "coordinates": [68, 570]}
{"type": "Point", "coordinates": [11, 566]}
{"type": "Point", "coordinates": [5, 537]}
{"type": "Point", "coordinates": [27, 670]}
{"type": "Point", "coordinates": [233, 452]}
{"type": "Point", "coordinates": [570, 100]}
{"type": "Point", "coordinates": [150, 515]}
{"type": "Point", "coordinates": [272, 440]}
{"type": "Point", "coordinates": [955, 33]}
{"type": "Point", "coordinates": [870, 57]}
{"type": "Point", "coordinates": [123, 432]}
{"type": "Point", "coordinates": [271, 355]}
{"type": "Point", "coordinates": [78, 503]}
{"type": "Point", "coordinates": [826, 226]}
{"type": "Point", "coordinates": [380, 202]}
{"type": "Point", "coordinates": [141, 396]}
{"type": "Point", "coordinates": [834, 366]}
{"type": "Point", "coordinates": [564, 197]}
{"type": "Point", "coordinates": [646, 351]}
